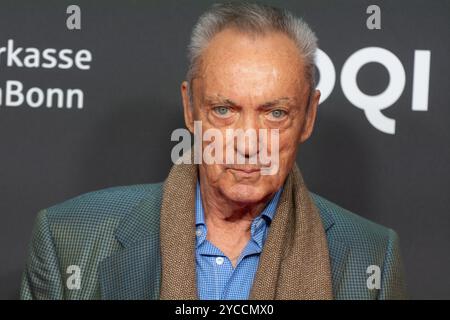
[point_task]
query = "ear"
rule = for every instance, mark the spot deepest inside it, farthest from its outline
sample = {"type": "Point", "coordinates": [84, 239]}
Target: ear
{"type": "Point", "coordinates": [187, 107]}
{"type": "Point", "coordinates": [310, 116]}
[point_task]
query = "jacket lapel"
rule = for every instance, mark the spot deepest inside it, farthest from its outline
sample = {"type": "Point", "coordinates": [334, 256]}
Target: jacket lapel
{"type": "Point", "coordinates": [338, 251]}
{"type": "Point", "coordinates": [133, 272]}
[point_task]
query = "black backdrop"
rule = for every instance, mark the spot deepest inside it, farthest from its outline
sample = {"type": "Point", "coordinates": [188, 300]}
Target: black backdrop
{"type": "Point", "coordinates": [131, 105]}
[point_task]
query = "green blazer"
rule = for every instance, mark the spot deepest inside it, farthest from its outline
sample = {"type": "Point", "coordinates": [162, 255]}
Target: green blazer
{"type": "Point", "coordinates": [109, 240]}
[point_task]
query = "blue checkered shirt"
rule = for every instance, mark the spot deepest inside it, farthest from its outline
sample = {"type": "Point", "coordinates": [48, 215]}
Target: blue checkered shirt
{"type": "Point", "coordinates": [216, 277]}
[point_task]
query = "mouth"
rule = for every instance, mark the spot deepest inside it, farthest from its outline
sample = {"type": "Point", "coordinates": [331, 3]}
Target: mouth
{"type": "Point", "coordinates": [244, 170]}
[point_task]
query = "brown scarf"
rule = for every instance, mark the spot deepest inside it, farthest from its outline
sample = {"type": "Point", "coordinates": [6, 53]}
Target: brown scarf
{"type": "Point", "coordinates": [294, 263]}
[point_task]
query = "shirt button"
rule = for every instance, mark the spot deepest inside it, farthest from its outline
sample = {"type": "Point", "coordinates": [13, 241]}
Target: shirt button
{"type": "Point", "coordinates": [198, 232]}
{"type": "Point", "coordinates": [219, 261]}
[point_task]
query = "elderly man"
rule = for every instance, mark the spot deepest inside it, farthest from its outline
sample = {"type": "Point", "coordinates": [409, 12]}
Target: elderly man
{"type": "Point", "coordinates": [223, 230]}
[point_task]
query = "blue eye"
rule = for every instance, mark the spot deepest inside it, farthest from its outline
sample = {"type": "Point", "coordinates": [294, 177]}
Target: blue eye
{"type": "Point", "coordinates": [278, 113]}
{"type": "Point", "coordinates": [221, 110]}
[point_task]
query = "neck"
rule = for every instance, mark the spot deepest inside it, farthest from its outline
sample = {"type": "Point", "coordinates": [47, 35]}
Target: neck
{"type": "Point", "coordinates": [228, 223]}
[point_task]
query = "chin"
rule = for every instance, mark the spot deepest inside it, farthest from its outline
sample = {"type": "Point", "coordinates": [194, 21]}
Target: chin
{"type": "Point", "coordinates": [245, 193]}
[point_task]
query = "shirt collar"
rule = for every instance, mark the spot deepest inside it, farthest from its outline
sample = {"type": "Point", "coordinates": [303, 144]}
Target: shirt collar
{"type": "Point", "coordinates": [271, 207]}
{"type": "Point", "coordinates": [199, 215]}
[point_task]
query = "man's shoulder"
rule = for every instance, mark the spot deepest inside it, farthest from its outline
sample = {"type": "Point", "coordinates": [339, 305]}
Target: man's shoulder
{"type": "Point", "coordinates": [108, 205]}
{"type": "Point", "coordinates": [357, 247]}
{"type": "Point", "coordinates": [85, 230]}
{"type": "Point", "coordinates": [350, 228]}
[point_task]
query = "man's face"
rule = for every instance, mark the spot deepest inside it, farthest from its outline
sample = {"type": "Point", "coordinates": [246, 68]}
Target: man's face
{"type": "Point", "coordinates": [255, 83]}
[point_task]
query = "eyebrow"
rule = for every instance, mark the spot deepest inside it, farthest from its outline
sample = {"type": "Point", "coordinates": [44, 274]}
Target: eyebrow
{"type": "Point", "coordinates": [275, 102]}
{"type": "Point", "coordinates": [265, 105]}
{"type": "Point", "coordinates": [219, 99]}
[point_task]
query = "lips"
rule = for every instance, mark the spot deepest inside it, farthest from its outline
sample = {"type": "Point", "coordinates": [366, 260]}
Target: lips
{"type": "Point", "coordinates": [245, 169]}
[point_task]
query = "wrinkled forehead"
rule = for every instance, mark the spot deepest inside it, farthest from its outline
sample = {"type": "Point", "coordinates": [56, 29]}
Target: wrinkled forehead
{"type": "Point", "coordinates": [236, 63]}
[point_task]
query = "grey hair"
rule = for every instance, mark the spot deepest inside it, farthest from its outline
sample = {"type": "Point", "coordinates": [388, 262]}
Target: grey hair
{"type": "Point", "coordinates": [255, 19]}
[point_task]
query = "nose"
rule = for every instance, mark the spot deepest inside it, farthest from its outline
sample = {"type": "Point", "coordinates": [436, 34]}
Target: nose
{"type": "Point", "coordinates": [246, 137]}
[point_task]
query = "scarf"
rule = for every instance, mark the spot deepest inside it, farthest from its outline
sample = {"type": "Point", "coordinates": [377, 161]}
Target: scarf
{"type": "Point", "coordinates": [294, 263]}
